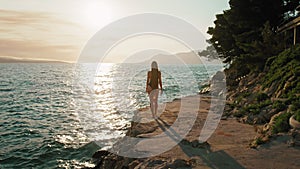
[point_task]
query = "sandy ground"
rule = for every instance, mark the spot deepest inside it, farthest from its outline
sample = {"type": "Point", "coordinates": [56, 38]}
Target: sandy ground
{"type": "Point", "coordinates": [228, 147]}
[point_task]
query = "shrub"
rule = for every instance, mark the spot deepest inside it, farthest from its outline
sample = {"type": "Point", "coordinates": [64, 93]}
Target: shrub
{"type": "Point", "coordinates": [297, 115]}
{"type": "Point", "coordinates": [246, 94]}
{"type": "Point", "coordinates": [295, 105]}
{"type": "Point", "coordinates": [240, 112]}
{"type": "Point", "coordinates": [280, 68]}
{"type": "Point", "coordinates": [265, 103]}
{"type": "Point", "coordinates": [261, 97]}
{"type": "Point", "coordinates": [254, 109]}
{"type": "Point", "coordinates": [279, 106]}
{"type": "Point", "coordinates": [232, 105]}
{"type": "Point", "coordinates": [281, 123]}
{"type": "Point", "coordinates": [259, 141]}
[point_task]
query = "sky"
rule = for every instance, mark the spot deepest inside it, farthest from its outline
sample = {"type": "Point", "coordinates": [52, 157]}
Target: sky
{"type": "Point", "coordinates": [61, 29]}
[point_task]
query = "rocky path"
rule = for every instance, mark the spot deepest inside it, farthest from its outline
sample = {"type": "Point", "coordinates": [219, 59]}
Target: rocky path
{"type": "Point", "coordinates": [228, 147]}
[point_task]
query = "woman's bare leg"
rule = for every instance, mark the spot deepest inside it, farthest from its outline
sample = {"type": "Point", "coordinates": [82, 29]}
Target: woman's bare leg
{"type": "Point", "coordinates": [153, 102]}
{"type": "Point", "coordinates": [151, 105]}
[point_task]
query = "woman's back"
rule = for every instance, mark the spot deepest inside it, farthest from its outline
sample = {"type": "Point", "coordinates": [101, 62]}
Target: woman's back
{"type": "Point", "coordinates": [154, 75]}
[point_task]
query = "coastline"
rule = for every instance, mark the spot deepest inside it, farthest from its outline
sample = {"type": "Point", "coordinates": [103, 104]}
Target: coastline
{"type": "Point", "coordinates": [228, 147]}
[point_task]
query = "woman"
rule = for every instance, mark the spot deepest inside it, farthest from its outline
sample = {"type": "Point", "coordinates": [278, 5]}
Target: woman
{"type": "Point", "coordinates": [153, 80]}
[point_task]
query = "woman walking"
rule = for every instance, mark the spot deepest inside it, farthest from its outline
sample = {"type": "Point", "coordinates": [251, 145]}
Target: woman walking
{"type": "Point", "coordinates": [153, 82]}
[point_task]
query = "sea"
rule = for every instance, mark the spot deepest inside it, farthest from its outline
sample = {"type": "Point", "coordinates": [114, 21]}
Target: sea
{"type": "Point", "coordinates": [58, 115]}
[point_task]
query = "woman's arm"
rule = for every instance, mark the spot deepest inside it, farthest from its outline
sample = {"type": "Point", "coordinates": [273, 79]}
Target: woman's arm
{"type": "Point", "coordinates": [159, 79]}
{"type": "Point", "coordinates": [147, 81]}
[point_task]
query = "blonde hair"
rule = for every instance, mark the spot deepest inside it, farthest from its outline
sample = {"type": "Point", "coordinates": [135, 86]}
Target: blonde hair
{"type": "Point", "coordinates": [154, 65]}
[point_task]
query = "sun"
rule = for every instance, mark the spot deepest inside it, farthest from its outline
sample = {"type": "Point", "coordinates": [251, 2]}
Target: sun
{"type": "Point", "coordinates": [96, 14]}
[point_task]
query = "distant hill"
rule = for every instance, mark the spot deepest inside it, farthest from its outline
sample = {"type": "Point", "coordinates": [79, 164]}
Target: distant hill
{"type": "Point", "coordinates": [163, 58]}
{"type": "Point", "coordinates": [6, 59]}
{"type": "Point", "coordinates": [184, 58]}
{"type": "Point", "coordinates": [187, 58]}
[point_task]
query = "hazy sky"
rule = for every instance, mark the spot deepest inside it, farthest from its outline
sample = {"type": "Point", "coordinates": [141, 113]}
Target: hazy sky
{"type": "Point", "coordinates": [59, 29]}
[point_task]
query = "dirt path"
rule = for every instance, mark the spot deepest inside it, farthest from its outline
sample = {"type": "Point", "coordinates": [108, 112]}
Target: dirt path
{"type": "Point", "coordinates": [228, 147]}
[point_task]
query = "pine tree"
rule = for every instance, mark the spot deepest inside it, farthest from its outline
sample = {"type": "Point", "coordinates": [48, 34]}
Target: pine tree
{"type": "Point", "coordinates": [246, 32]}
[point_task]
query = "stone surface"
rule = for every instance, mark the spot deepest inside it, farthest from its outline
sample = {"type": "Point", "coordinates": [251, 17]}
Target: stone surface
{"type": "Point", "coordinates": [228, 147]}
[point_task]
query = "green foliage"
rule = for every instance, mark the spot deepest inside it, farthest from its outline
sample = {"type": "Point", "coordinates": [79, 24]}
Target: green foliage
{"type": "Point", "coordinates": [295, 104]}
{"type": "Point", "coordinates": [245, 37]}
{"type": "Point", "coordinates": [297, 115]}
{"type": "Point", "coordinates": [232, 105]}
{"type": "Point", "coordinates": [246, 94]}
{"type": "Point", "coordinates": [282, 70]}
{"type": "Point", "coordinates": [259, 51]}
{"type": "Point", "coordinates": [281, 123]}
{"type": "Point", "coordinates": [246, 32]}
{"type": "Point", "coordinates": [279, 106]}
{"type": "Point", "coordinates": [265, 103]}
{"type": "Point", "coordinates": [258, 141]}
{"type": "Point", "coordinates": [239, 114]}
{"type": "Point", "coordinates": [252, 108]}
{"type": "Point", "coordinates": [255, 108]}
{"type": "Point", "coordinates": [209, 53]}
{"type": "Point", "coordinates": [243, 96]}
{"type": "Point", "coordinates": [296, 86]}
{"type": "Point", "coordinates": [261, 97]}
{"type": "Point", "coordinates": [288, 58]}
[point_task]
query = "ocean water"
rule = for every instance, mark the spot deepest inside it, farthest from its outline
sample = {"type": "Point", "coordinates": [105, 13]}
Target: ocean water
{"type": "Point", "coordinates": [58, 115]}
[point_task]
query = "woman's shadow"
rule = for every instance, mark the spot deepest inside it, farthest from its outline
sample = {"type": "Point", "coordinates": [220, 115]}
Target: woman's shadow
{"type": "Point", "coordinates": [216, 160]}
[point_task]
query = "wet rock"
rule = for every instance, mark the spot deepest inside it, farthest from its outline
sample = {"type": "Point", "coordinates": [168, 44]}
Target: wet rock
{"type": "Point", "coordinates": [295, 141]}
{"type": "Point", "coordinates": [156, 164]}
{"type": "Point", "coordinates": [112, 161]}
{"type": "Point", "coordinates": [178, 163]}
{"type": "Point", "coordinates": [100, 153]}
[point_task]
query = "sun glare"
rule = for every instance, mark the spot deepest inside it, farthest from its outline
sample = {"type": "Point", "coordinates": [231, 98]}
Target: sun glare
{"type": "Point", "coordinates": [96, 14]}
